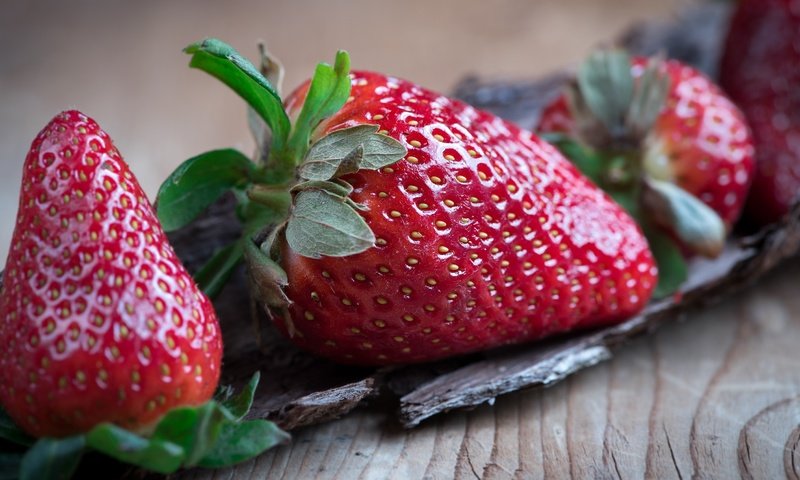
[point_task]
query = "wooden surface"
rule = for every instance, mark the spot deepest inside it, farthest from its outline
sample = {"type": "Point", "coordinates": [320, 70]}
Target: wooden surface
{"type": "Point", "coordinates": [717, 396]}
{"type": "Point", "coordinates": [714, 396]}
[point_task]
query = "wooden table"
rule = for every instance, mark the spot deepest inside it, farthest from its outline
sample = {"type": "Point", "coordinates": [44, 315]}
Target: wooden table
{"type": "Point", "coordinates": [714, 396]}
{"type": "Point", "coordinates": [717, 396]}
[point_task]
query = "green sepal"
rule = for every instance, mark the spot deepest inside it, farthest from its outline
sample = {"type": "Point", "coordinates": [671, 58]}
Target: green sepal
{"type": "Point", "coordinates": [267, 277]}
{"type": "Point", "coordinates": [694, 223]}
{"type": "Point", "coordinates": [52, 458]}
{"type": "Point", "coordinates": [326, 156]}
{"type": "Point", "coordinates": [239, 405]}
{"type": "Point", "coordinates": [219, 59]}
{"type": "Point", "coordinates": [587, 161]}
{"type": "Point", "coordinates": [649, 98]}
{"type": "Point", "coordinates": [327, 94]}
{"type": "Point", "coordinates": [324, 224]}
{"type": "Point", "coordinates": [606, 87]}
{"type": "Point", "coordinates": [195, 429]}
{"type": "Point", "coordinates": [672, 268]}
{"type": "Point", "coordinates": [238, 442]}
{"type": "Point", "coordinates": [339, 189]}
{"type": "Point", "coordinates": [11, 432]}
{"type": "Point", "coordinates": [199, 182]}
{"type": "Point", "coordinates": [212, 277]}
{"type": "Point", "coordinates": [154, 454]}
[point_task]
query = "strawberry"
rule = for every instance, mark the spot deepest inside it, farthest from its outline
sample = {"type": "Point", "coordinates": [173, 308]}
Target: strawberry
{"type": "Point", "coordinates": [663, 140]}
{"type": "Point", "coordinates": [99, 320]}
{"type": "Point", "coordinates": [760, 71]}
{"type": "Point", "coordinates": [420, 227]}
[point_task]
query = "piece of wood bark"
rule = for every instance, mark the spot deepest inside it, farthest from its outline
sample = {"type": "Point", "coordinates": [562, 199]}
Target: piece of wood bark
{"type": "Point", "coordinates": [298, 389]}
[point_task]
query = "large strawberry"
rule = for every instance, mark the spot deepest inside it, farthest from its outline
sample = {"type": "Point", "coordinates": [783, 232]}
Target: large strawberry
{"type": "Point", "coordinates": [101, 326]}
{"type": "Point", "coordinates": [760, 71]}
{"type": "Point", "coordinates": [663, 140]}
{"type": "Point", "coordinates": [480, 235]}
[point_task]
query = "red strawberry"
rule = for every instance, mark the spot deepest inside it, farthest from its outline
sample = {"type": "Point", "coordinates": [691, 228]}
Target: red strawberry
{"type": "Point", "coordinates": [481, 234]}
{"type": "Point", "coordinates": [99, 320]}
{"type": "Point", "coordinates": [485, 236]}
{"type": "Point", "coordinates": [760, 71]}
{"type": "Point", "coordinates": [672, 125]}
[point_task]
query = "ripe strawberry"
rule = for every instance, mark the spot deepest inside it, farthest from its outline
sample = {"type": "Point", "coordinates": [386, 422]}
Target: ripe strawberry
{"type": "Point", "coordinates": [485, 236]}
{"type": "Point", "coordinates": [760, 71]}
{"type": "Point", "coordinates": [99, 320]}
{"type": "Point", "coordinates": [480, 234]}
{"type": "Point", "coordinates": [660, 125]}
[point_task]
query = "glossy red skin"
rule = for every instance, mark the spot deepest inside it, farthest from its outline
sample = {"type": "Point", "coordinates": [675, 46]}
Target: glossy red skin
{"type": "Point", "coordinates": [761, 72]}
{"type": "Point", "coordinates": [99, 321]}
{"type": "Point", "coordinates": [566, 256]}
{"type": "Point", "coordinates": [702, 137]}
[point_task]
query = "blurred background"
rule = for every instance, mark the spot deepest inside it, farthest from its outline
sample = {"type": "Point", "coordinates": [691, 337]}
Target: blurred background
{"type": "Point", "coordinates": [121, 62]}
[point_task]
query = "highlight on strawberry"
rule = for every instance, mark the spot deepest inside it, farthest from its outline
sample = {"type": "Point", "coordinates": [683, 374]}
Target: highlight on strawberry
{"type": "Point", "coordinates": [665, 143]}
{"type": "Point", "coordinates": [108, 345]}
{"type": "Point", "coordinates": [386, 224]}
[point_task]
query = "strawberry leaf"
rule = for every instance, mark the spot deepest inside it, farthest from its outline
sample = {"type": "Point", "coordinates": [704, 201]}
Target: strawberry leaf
{"type": "Point", "coordinates": [199, 182]}
{"type": "Point", "coordinates": [219, 59]}
{"type": "Point", "coordinates": [52, 458]}
{"type": "Point", "coordinates": [326, 156]}
{"type": "Point", "coordinates": [339, 189]}
{"type": "Point", "coordinates": [151, 453]}
{"type": "Point", "coordinates": [587, 161]}
{"type": "Point", "coordinates": [213, 276]}
{"type": "Point", "coordinates": [693, 222]}
{"type": "Point", "coordinates": [11, 432]}
{"type": "Point", "coordinates": [194, 429]}
{"type": "Point", "coordinates": [672, 268]}
{"type": "Point", "coordinates": [606, 86]}
{"type": "Point", "coordinates": [240, 441]}
{"type": "Point", "coordinates": [239, 405]}
{"type": "Point", "coordinates": [328, 92]}
{"type": "Point", "coordinates": [323, 224]}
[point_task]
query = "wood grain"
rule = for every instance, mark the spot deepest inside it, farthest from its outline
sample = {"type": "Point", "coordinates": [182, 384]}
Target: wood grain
{"type": "Point", "coordinates": [714, 396]}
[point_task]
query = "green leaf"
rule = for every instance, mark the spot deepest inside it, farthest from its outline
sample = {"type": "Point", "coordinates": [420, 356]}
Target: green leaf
{"type": "Point", "coordinates": [693, 222]}
{"type": "Point", "coordinates": [587, 161]}
{"type": "Point", "coordinates": [328, 92]}
{"type": "Point", "coordinates": [153, 454]}
{"type": "Point", "coordinates": [649, 97]}
{"type": "Point", "coordinates": [219, 59]}
{"type": "Point", "coordinates": [322, 224]}
{"type": "Point", "coordinates": [266, 276]}
{"type": "Point", "coordinates": [239, 405]}
{"type": "Point", "coordinates": [606, 86]}
{"type": "Point", "coordinates": [241, 441]}
{"type": "Point", "coordinates": [11, 432]}
{"type": "Point", "coordinates": [338, 189]}
{"type": "Point", "coordinates": [195, 429]}
{"type": "Point", "coordinates": [199, 182]}
{"type": "Point", "coordinates": [672, 268]}
{"type": "Point", "coordinates": [10, 464]}
{"type": "Point", "coordinates": [213, 276]}
{"type": "Point", "coordinates": [325, 157]}
{"type": "Point", "coordinates": [52, 458]}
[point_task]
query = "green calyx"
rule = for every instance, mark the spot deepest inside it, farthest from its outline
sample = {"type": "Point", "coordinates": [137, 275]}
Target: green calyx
{"type": "Point", "coordinates": [292, 185]}
{"type": "Point", "coordinates": [614, 114]}
{"type": "Point", "coordinates": [212, 435]}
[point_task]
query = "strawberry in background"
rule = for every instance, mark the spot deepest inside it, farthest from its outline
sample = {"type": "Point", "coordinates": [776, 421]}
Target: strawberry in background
{"type": "Point", "coordinates": [760, 70]}
{"type": "Point", "coordinates": [666, 143]}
